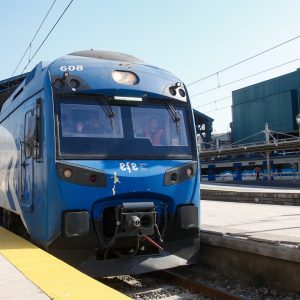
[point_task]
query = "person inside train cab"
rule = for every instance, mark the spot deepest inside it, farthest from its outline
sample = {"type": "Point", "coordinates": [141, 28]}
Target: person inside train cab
{"type": "Point", "coordinates": [79, 127]}
{"type": "Point", "coordinates": [95, 126]}
{"type": "Point", "coordinates": [154, 132]}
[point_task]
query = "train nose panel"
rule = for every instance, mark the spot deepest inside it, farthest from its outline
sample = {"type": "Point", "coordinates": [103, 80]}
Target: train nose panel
{"type": "Point", "coordinates": [175, 254]}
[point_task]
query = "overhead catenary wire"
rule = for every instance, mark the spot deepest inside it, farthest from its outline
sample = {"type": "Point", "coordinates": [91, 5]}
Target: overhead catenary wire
{"type": "Point", "coordinates": [223, 107]}
{"type": "Point", "coordinates": [271, 131]}
{"type": "Point", "coordinates": [227, 97]}
{"type": "Point", "coordinates": [40, 46]}
{"type": "Point", "coordinates": [232, 82]}
{"type": "Point", "coordinates": [243, 78]}
{"type": "Point", "coordinates": [214, 101]}
{"type": "Point", "coordinates": [216, 109]}
{"type": "Point", "coordinates": [244, 60]}
{"type": "Point", "coordinates": [240, 92]}
{"type": "Point", "coordinates": [30, 43]}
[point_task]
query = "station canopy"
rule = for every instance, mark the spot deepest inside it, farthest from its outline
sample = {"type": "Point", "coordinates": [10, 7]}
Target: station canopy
{"type": "Point", "coordinates": [8, 86]}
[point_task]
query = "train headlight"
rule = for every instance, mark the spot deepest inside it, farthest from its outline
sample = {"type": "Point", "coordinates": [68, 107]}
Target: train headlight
{"type": "Point", "coordinates": [80, 175]}
{"type": "Point", "coordinates": [68, 173]}
{"type": "Point", "coordinates": [181, 173]}
{"type": "Point", "coordinates": [124, 77]}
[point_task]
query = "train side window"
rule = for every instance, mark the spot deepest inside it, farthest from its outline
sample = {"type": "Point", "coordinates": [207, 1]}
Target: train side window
{"type": "Point", "coordinates": [33, 132]}
{"type": "Point", "coordinates": [38, 131]}
{"type": "Point", "coordinates": [29, 133]}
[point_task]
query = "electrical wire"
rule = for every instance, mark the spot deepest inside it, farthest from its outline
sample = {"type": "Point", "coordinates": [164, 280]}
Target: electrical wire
{"type": "Point", "coordinates": [67, 7]}
{"type": "Point", "coordinates": [244, 60]}
{"type": "Point", "coordinates": [277, 132]}
{"type": "Point", "coordinates": [30, 44]}
{"type": "Point", "coordinates": [243, 78]}
{"type": "Point", "coordinates": [224, 98]}
{"type": "Point", "coordinates": [214, 101]}
{"type": "Point", "coordinates": [216, 109]}
{"type": "Point", "coordinates": [221, 108]}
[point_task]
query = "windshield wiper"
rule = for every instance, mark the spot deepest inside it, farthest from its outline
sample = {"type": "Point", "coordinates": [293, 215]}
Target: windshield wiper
{"type": "Point", "coordinates": [105, 106]}
{"type": "Point", "coordinates": [109, 113]}
{"type": "Point", "coordinates": [174, 115]}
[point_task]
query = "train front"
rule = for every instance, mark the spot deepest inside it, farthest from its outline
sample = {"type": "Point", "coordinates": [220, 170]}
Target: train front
{"type": "Point", "coordinates": [126, 163]}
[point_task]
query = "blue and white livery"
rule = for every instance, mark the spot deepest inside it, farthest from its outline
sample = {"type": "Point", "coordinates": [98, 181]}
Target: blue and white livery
{"type": "Point", "coordinates": [99, 164]}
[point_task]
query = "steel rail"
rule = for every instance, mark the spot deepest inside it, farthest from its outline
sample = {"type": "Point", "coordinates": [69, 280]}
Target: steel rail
{"type": "Point", "coordinates": [194, 286]}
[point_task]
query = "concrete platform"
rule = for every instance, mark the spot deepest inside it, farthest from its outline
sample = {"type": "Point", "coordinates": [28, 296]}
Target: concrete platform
{"type": "Point", "coordinates": [270, 230]}
{"type": "Point", "coordinates": [14, 285]}
{"type": "Point", "coordinates": [285, 184]}
{"type": "Point", "coordinates": [28, 272]}
{"type": "Point", "coordinates": [259, 243]}
{"type": "Point", "coordinates": [250, 193]}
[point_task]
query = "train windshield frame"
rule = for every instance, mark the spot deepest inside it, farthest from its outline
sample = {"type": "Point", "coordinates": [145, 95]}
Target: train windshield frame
{"type": "Point", "coordinates": [92, 128]}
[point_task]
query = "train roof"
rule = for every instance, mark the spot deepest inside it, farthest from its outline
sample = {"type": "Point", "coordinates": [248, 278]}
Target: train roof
{"type": "Point", "coordinates": [108, 55]}
{"type": "Point", "coordinates": [9, 85]}
{"type": "Point", "coordinates": [12, 87]}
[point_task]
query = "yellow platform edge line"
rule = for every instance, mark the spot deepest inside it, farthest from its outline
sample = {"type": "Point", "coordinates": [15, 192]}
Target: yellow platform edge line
{"type": "Point", "coordinates": [54, 277]}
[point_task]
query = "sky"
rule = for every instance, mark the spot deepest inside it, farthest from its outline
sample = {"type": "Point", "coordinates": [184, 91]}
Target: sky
{"type": "Point", "coordinates": [191, 38]}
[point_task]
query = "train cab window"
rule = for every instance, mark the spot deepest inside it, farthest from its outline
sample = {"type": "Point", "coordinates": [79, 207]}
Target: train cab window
{"type": "Point", "coordinates": [156, 125]}
{"type": "Point", "coordinates": [29, 133]}
{"type": "Point", "coordinates": [90, 121]}
{"type": "Point", "coordinates": [89, 129]}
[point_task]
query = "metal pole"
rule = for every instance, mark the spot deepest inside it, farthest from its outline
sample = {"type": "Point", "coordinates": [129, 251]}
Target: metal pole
{"type": "Point", "coordinates": [267, 133]}
{"type": "Point", "coordinates": [268, 165]}
{"type": "Point", "coordinates": [298, 121]}
{"type": "Point", "coordinates": [199, 143]}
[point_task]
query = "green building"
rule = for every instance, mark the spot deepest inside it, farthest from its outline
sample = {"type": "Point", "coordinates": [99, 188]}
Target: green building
{"type": "Point", "coordinates": [275, 101]}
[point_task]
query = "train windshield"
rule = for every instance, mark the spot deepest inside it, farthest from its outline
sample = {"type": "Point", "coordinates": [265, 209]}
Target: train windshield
{"type": "Point", "coordinates": [91, 129]}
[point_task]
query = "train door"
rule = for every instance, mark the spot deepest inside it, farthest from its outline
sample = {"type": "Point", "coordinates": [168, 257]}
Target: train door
{"type": "Point", "coordinates": [30, 154]}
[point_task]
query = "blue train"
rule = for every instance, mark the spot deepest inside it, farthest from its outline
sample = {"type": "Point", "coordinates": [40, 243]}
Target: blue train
{"type": "Point", "coordinates": [99, 164]}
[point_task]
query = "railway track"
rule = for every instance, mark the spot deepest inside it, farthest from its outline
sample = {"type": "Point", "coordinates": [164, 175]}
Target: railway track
{"type": "Point", "coordinates": [195, 286]}
{"type": "Point", "coordinates": [167, 285]}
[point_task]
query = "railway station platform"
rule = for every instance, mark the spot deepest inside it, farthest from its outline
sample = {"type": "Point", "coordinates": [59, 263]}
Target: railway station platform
{"type": "Point", "coordinates": [28, 272]}
{"type": "Point", "coordinates": [14, 285]}
{"type": "Point", "coordinates": [260, 239]}
{"type": "Point", "coordinates": [254, 192]}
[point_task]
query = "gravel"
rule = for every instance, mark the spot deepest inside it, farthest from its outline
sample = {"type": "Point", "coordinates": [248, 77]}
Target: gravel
{"type": "Point", "coordinates": [147, 286]}
{"type": "Point", "coordinates": [235, 285]}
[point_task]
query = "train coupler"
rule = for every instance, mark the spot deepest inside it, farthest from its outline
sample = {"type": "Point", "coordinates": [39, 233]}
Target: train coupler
{"type": "Point", "coordinates": [136, 216]}
{"type": "Point", "coordinates": [135, 221]}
